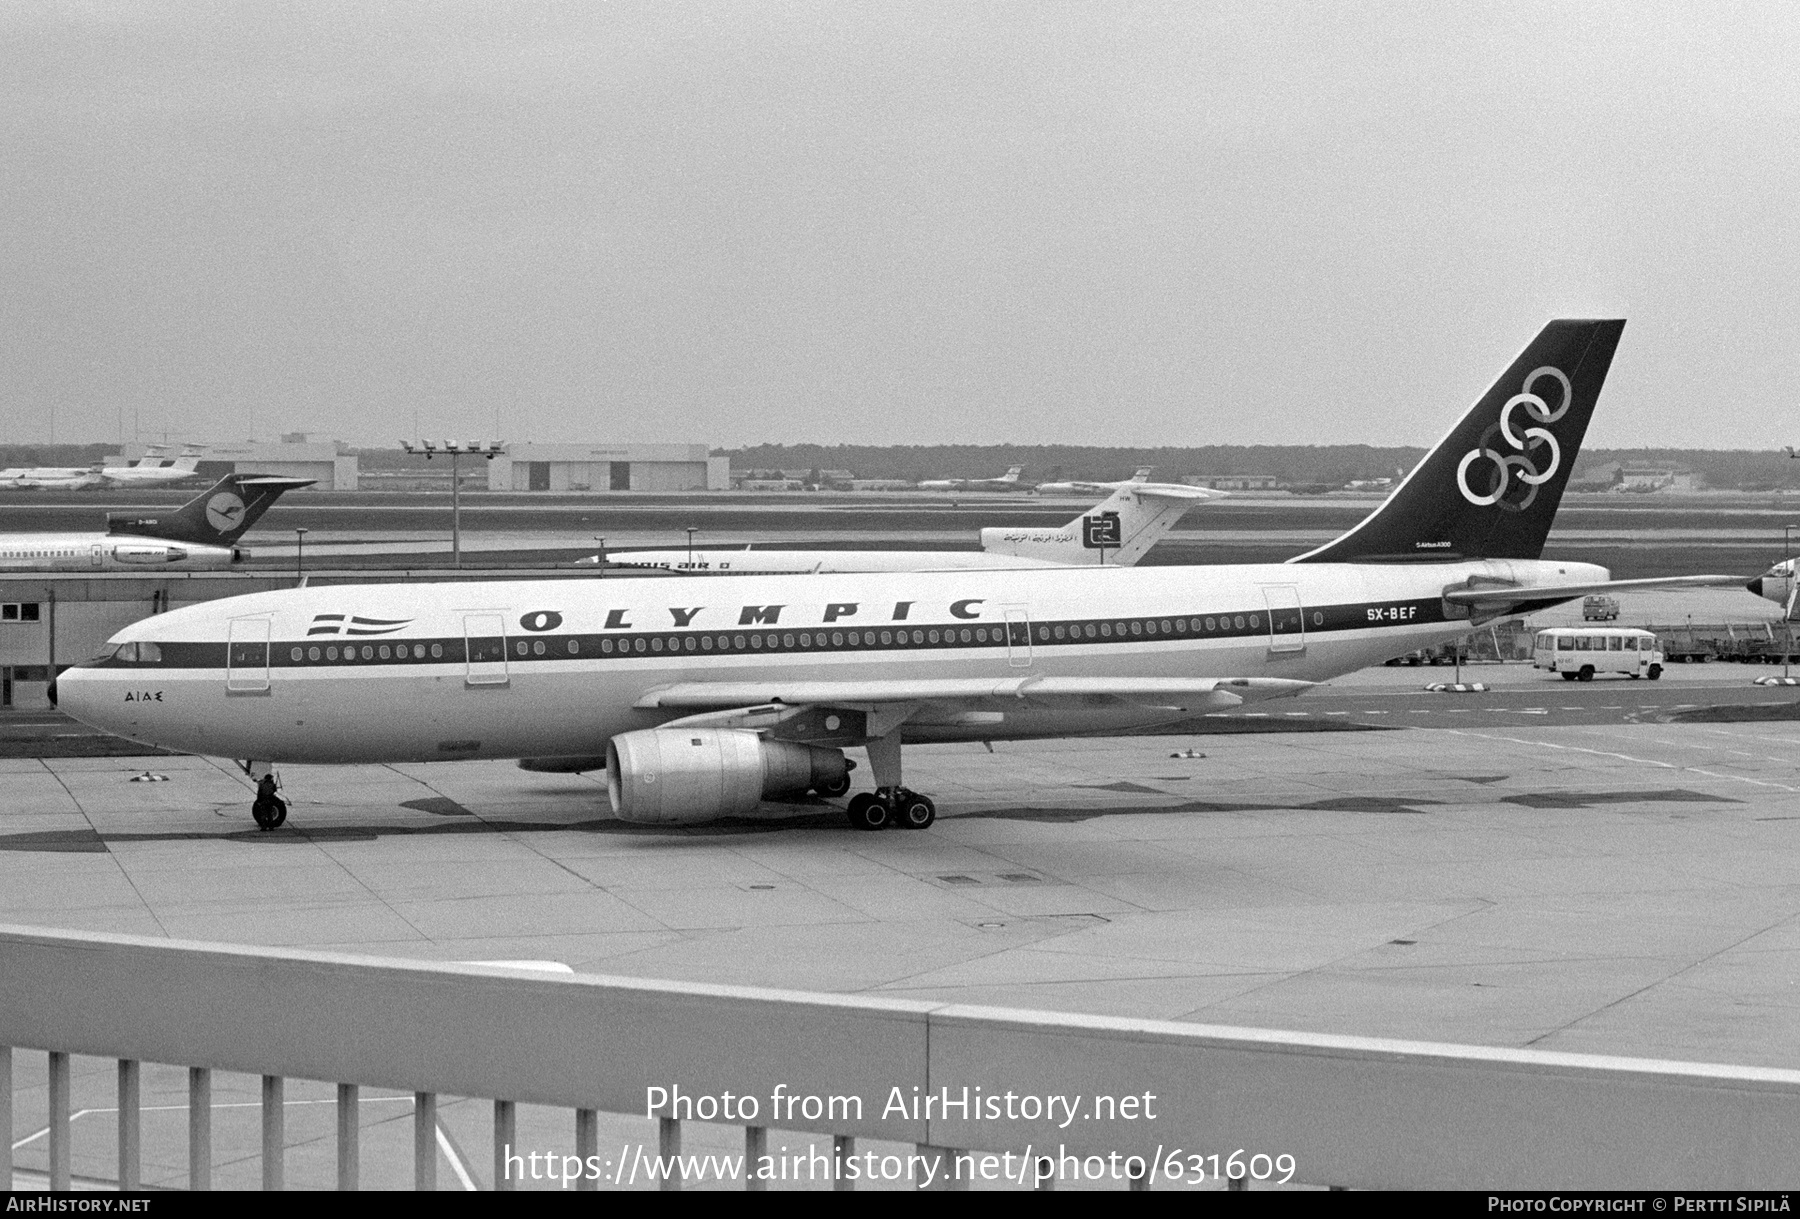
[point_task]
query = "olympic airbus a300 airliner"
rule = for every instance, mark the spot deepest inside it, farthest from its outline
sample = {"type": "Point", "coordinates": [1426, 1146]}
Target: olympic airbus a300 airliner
{"type": "Point", "coordinates": [702, 698]}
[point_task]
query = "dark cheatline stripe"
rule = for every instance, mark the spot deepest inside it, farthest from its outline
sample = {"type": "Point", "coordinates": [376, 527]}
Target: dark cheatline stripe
{"type": "Point", "coordinates": [750, 641]}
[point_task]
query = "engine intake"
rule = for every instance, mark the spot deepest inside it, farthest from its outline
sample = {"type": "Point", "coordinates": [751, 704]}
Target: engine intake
{"type": "Point", "coordinates": [679, 776]}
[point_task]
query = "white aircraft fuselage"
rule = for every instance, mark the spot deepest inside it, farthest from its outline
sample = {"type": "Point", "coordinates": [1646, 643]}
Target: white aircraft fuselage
{"type": "Point", "coordinates": [422, 672]}
{"type": "Point", "coordinates": [104, 552]}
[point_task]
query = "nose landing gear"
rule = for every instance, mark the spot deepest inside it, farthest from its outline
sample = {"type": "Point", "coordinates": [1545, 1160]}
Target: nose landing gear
{"type": "Point", "coordinates": [269, 809]}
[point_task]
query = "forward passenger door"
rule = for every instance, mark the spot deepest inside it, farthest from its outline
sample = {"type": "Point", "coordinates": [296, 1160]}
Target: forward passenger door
{"type": "Point", "coordinates": [247, 656]}
{"type": "Point", "coordinates": [484, 643]}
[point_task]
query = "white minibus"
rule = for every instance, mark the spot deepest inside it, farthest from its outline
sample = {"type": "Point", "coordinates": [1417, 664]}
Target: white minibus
{"type": "Point", "coordinates": [1579, 652]}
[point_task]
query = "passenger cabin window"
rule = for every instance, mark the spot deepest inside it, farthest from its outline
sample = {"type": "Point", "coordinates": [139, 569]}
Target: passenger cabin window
{"type": "Point", "coordinates": [1565, 644]}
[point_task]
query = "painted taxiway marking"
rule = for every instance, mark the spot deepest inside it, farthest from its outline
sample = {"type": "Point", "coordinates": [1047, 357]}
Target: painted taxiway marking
{"type": "Point", "coordinates": [1689, 744]}
{"type": "Point", "coordinates": [1739, 736]}
{"type": "Point", "coordinates": [1624, 757]}
{"type": "Point", "coordinates": [223, 1104]}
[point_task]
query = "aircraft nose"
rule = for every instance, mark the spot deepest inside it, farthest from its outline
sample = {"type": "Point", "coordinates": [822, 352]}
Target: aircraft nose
{"type": "Point", "coordinates": [50, 693]}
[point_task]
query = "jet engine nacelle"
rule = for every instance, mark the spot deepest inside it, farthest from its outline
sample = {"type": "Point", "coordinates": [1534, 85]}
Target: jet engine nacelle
{"type": "Point", "coordinates": [664, 776]}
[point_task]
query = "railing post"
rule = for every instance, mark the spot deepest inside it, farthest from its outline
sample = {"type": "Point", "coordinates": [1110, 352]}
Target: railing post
{"type": "Point", "coordinates": [1236, 1185]}
{"type": "Point", "coordinates": [587, 1146]}
{"type": "Point", "coordinates": [506, 1126]}
{"type": "Point", "coordinates": [1140, 1180]}
{"type": "Point", "coordinates": [59, 1122]}
{"type": "Point", "coordinates": [668, 1146]}
{"type": "Point", "coordinates": [756, 1146]}
{"type": "Point", "coordinates": [6, 1120]}
{"type": "Point", "coordinates": [947, 1177]}
{"type": "Point", "coordinates": [199, 1128]}
{"type": "Point", "coordinates": [425, 1140]}
{"type": "Point", "coordinates": [843, 1150]}
{"type": "Point", "coordinates": [131, 1130]}
{"type": "Point", "coordinates": [274, 1130]}
{"type": "Point", "coordinates": [349, 1157]}
{"type": "Point", "coordinates": [1045, 1168]}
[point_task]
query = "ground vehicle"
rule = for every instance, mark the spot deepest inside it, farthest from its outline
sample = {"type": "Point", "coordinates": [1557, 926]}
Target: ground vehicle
{"type": "Point", "coordinates": [1599, 609]}
{"type": "Point", "coordinates": [1579, 652]}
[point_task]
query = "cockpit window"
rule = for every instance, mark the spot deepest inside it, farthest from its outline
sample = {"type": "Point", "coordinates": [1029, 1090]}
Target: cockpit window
{"type": "Point", "coordinates": [135, 653]}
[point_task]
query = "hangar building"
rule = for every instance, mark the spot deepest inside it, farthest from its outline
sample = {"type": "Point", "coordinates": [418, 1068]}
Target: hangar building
{"type": "Point", "coordinates": [626, 467]}
{"type": "Point", "coordinates": [293, 456]}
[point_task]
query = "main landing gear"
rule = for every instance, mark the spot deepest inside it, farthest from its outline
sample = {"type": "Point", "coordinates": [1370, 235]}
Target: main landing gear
{"type": "Point", "coordinates": [890, 803]}
{"type": "Point", "coordinates": [900, 807]}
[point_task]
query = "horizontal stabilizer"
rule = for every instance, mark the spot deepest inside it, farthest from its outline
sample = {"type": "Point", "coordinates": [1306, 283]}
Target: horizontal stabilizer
{"type": "Point", "coordinates": [697, 695]}
{"type": "Point", "coordinates": [1489, 597]}
{"type": "Point", "coordinates": [1174, 491]}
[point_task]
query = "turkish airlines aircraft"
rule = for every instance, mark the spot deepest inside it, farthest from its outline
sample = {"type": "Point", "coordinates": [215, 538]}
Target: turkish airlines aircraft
{"type": "Point", "coordinates": [1117, 533]}
{"type": "Point", "coordinates": [1008, 481]}
{"type": "Point", "coordinates": [199, 534]}
{"type": "Point", "coordinates": [1079, 487]}
{"type": "Point", "coordinates": [144, 472]}
{"type": "Point", "coordinates": [703, 698]}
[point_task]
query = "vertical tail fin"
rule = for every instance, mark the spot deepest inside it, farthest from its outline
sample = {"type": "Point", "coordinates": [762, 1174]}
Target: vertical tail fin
{"type": "Point", "coordinates": [1490, 488]}
{"type": "Point", "coordinates": [1118, 532]}
{"type": "Point", "coordinates": [218, 516]}
{"type": "Point", "coordinates": [189, 459]}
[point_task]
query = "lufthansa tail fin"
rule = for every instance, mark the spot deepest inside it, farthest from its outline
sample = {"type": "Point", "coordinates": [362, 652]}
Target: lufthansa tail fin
{"type": "Point", "coordinates": [1490, 489]}
{"type": "Point", "coordinates": [218, 516]}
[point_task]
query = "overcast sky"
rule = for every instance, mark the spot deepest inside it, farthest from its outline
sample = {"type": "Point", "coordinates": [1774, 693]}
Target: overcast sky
{"type": "Point", "coordinates": [891, 223]}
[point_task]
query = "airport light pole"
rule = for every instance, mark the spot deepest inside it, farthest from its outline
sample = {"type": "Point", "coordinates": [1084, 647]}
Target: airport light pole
{"type": "Point", "coordinates": [599, 556]}
{"type": "Point", "coordinates": [455, 450]}
{"type": "Point", "coordinates": [299, 557]}
{"type": "Point", "coordinates": [1787, 621]}
{"type": "Point", "coordinates": [691, 531]}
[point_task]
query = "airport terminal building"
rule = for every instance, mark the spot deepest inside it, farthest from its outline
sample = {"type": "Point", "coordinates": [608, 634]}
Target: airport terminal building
{"type": "Point", "coordinates": [628, 467]}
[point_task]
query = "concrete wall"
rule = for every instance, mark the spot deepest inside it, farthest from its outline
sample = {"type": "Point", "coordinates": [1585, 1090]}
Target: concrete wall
{"type": "Point", "coordinates": [1363, 1112]}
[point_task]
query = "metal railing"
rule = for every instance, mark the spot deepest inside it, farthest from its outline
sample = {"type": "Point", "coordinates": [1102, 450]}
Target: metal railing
{"type": "Point", "coordinates": [1354, 1112]}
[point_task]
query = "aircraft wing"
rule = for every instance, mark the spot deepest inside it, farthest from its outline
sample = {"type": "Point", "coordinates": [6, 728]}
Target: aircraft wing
{"type": "Point", "coordinates": [1212, 692]}
{"type": "Point", "coordinates": [1496, 596]}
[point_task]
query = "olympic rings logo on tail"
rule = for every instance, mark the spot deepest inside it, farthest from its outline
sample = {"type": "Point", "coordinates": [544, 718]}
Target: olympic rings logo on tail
{"type": "Point", "coordinates": [1533, 438]}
